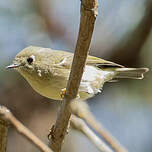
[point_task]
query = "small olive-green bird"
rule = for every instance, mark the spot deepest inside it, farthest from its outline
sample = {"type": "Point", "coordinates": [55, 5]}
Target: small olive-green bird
{"type": "Point", "coordinates": [47, 71]}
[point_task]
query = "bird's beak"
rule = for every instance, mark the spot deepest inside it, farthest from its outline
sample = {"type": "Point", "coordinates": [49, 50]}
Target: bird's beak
{"type": "Point", "coordinates": [12, 66]}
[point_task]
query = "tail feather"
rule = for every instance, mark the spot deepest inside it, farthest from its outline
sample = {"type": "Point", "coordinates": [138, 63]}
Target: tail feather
{"type": "Point", "coordinates": [132, 73]}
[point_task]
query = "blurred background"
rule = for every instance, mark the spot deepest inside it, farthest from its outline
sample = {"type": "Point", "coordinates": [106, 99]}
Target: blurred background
{"type": "Point", "coordinates": [122, 34]}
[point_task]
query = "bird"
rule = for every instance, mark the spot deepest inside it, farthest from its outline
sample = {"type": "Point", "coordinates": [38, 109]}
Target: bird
{"type": "Point", "coordinates": [48, 70]}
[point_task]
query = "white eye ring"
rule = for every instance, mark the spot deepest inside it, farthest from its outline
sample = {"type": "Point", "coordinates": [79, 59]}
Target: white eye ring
{"type": "Point", "coordinates": [31, 59]}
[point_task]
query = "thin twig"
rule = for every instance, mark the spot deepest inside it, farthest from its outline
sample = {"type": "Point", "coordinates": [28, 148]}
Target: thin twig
{"type": "Point", "coordinates": [81, 109]}
{"type": "Point", "coordinates": [8, 116]}
{"type": "Point", "coordinates": [3, 134]}
{"type": "Point", "coordinates": [80, 125]}
{"type": "Point", "coordinates": [88, 17]}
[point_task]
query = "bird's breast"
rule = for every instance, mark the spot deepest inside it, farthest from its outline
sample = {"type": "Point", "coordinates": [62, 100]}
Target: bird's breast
{"type": "Point", "coordinates": [92, 81]}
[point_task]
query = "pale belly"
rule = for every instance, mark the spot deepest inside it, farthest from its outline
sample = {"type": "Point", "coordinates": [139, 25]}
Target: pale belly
{"type": "Point", "coordinates": [92, 81]}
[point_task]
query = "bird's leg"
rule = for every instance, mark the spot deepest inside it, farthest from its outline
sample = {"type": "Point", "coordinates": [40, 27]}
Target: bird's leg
{"type": "Point", "coordinates": [63, 92]}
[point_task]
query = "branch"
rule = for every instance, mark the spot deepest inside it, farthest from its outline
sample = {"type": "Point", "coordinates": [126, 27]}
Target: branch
{"type": "Point", "coordinates": [81, 109]}
{"type": "Point", "coordinates": [3, 134]}
{"type": "Point", "coordinates": [80, 125]}
{"type": "Point", "coordinates": [8, 116]}
{"type": "Point", "coordinates": [88, 17]}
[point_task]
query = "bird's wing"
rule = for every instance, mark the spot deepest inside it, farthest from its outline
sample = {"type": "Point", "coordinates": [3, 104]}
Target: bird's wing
{"type": "Point", "coordinates": [100, 63]}
{"type": "Point", "coordinates": [67, 57]}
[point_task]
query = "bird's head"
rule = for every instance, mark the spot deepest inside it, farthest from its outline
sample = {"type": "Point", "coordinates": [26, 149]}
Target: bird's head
{"type": "Point", "coordinates": [31, 61]}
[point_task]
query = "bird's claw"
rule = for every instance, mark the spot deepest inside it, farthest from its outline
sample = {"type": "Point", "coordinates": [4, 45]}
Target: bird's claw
{"type": "Point", "coordinates": [63, 92]}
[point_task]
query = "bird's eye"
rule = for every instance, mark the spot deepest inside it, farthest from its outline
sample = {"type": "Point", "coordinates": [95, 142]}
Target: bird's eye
{"type": "Point", "coordinates": [30, 60]}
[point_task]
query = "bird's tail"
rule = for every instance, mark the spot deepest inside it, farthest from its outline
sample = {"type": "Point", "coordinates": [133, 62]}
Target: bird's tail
{"type": "Point", "coordinates": [132, 73]}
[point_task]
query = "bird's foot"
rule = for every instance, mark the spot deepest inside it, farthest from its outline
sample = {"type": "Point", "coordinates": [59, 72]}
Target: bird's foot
{"type": "Point", "coordinates": [63, 92]}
